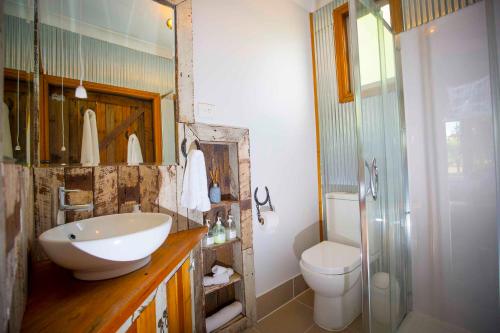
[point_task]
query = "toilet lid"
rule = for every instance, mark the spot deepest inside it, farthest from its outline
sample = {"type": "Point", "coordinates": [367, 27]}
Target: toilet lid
{"type": "Point", "coordinates": [331, 258]}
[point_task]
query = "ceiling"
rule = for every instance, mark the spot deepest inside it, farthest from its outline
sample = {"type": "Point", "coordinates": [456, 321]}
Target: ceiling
{"type": "Point", "coordinates": [137, 24]}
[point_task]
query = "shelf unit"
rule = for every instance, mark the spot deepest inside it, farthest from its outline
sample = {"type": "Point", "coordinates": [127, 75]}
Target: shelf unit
{"type": "Point", "coordinates": [233, 279]}
{"type": "Point", "coordinates": [227, 150]}
{"type": "Point", "coordinates": [214, 246]}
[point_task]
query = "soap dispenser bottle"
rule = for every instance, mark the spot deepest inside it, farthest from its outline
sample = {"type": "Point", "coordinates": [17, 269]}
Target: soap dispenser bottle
{"type": "Point", "coordinates": [231, 229]}
{"type": "Point", "coordinates": [209, 237]}
{"type": "Point", "coordinates": [220, 232]}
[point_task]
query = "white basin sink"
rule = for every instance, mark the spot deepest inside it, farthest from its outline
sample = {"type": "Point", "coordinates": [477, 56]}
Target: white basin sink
{"type": "Point", "coordinates": [107, 246]}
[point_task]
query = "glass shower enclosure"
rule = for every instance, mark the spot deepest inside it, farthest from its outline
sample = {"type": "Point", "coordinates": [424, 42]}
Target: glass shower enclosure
{"type": "Point", "coordinates": [382, 171]}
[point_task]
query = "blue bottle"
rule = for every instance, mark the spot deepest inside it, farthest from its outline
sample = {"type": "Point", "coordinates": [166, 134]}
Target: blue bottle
{"type": "Point", "coordinates": [214, 193]}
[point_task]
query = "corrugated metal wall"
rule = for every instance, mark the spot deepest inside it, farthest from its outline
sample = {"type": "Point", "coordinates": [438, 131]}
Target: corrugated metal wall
{"type": "Point", "coordinates": [418, 12]}
{"type": "Point", "coordinates": [104, 62]}
{"type": "Point", "coordinates": [18, 41]}
{"type": "Point", "coordinates": [337, 122]}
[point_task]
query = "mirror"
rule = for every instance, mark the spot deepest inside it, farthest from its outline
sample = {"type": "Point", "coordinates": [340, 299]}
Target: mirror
{"type": "Point", "coordinates": [107, 82]}
{"type": "Point", "coordinates": [18, 94]}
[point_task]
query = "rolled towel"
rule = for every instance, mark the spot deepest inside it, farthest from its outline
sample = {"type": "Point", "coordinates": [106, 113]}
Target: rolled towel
{"type": "Point", "coordinates": [216, 279]}
{"type": "Point", "coordinates": [217, 270]}
{"type": "Point", "coordinates": [224, 315]}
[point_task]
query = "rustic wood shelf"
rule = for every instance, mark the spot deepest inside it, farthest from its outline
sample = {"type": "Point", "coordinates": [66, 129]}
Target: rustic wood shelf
{"type": "Point", "coordinates": [233, 279]}
{"type": "Point", "coordinates": [224, 203]}
{"type": "Point", "coordinates": [214, 246]}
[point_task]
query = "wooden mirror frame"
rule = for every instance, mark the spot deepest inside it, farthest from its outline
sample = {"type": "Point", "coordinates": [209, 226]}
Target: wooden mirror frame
{"type": "Point", "coordinates": [184, 86]}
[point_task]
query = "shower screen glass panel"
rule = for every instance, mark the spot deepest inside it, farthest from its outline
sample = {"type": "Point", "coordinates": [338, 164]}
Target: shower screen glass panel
{"type": "Point", "coordinates": [383, 177]}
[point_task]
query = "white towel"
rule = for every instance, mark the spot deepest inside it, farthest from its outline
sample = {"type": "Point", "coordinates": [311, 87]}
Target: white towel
{"type": "Point", "coordinates": [194, 186]}
{"type": "Point", "coordinates": [134, 153]}
{"type": "Point", "coordinates": [5, 132]}
{"type": "Point", "coordinates": [217, 270]}
{"type": "Point", "coordinates": [224, 315]}
{"type": "Point", "coordinates": [216, 279]}
{"type": "Point", "coordinates": [90, 140]}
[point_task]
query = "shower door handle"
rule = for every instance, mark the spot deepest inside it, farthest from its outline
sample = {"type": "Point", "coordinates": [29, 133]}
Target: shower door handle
{"type": "Point", "coordinates": [373, 178]}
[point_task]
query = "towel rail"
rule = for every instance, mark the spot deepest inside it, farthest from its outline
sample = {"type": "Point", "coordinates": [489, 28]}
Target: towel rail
{"type": "Point", "coordinates": [259, 204]}
{"type": "Point", "coordinates": [184, 149]}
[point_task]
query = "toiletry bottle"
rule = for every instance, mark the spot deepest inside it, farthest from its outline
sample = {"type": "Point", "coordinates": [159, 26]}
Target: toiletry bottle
{"type": "Point", "coordinates": [209, 237]}
{"type": "Point", "coordinates": [231, 229]}
{"type": "Point", "coordinates": [220, 232]}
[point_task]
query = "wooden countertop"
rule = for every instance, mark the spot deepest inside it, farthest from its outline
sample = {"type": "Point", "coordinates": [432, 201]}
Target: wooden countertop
{"type": "Point", "coordinates": [59, 303]}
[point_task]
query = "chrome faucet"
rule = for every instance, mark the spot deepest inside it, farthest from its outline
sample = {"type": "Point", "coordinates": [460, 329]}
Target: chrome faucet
{"type": "Point", "coordinates": [76, 208]}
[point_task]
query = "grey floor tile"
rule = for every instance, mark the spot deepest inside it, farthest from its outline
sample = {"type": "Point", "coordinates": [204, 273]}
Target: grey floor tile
{"type": "Point", "coordinates": [294, 317]}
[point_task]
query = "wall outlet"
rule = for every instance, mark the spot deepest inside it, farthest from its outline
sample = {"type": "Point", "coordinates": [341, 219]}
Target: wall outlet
{"type": "Point", "coordinates": [206, 110]}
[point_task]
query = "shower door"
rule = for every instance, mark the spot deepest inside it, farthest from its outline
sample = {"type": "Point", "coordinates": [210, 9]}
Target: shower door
{"type": "Point", "coordinates": [382, 168]}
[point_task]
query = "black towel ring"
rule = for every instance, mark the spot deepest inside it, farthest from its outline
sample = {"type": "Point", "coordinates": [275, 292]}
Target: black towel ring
{"type": "Point", "coordinates": [258, 204]}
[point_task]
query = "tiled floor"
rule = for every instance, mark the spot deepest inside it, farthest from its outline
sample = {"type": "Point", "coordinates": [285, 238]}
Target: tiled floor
{"type": "Point", "coordinates": [297, 317]}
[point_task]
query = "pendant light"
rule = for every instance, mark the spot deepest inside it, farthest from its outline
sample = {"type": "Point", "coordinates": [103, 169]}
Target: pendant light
{"type": "Point", "coordinates": [18, 146]}
{"type": "Point", "coordinates": [63, 147]}
{"type": "Point", "coordinates": [80, 91]}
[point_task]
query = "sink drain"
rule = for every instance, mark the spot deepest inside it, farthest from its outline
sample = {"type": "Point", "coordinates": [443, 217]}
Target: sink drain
{"type": "Point", "coordinates": [72, 236]}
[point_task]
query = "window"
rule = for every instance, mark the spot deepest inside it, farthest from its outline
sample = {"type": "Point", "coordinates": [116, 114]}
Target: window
{"type": "Point", "coordinates": [368, 39]}
{"type": "Point", "coordinates": [341, 30]}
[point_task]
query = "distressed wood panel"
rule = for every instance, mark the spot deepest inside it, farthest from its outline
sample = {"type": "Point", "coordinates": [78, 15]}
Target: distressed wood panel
{"type": "Point", "coordinates": [105, 190]}
{"type": "Point", "coordinates": [217, 159]}
{"type": "Point", "coordinates": [12, 208]}
{"type": "Point", "coordinates": [184, 215]}
{"type": "Point", "coordinates": [233, 170]}
{"type": "Point", "coordinates": [199, 294]}
{"type": "Point", "coordinates": [46, 183]}
{"type": "Point", "coordinates": [246, 228]}
{"type": "Point", "coordinates": [17, 210]}
{"type": "Point", "coordinates": [161, 306]}
{"type": "Point", "coordinates": [80, 178]}
{"type": "Point", "coordinates": [167, 196]}
{"type": "Point", "coordinates": [218, 133]}
{"type": "Point", "coordinates": [129, 193]}
{"type": "Point", "coordinates": [184, 61]}
{"type": "Point", "coordinates": [249, 283]}
{"type": "Point", "coordinates": [148, 185]}
{"type": "Point", "coordinates": [244, 176]}
{"type": "Point", "coordinates": [222, 255]}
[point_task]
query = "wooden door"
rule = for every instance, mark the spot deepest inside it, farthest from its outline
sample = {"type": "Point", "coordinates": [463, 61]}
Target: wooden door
{"type": "Point", "coordinates": [179, 304]}
{"type": "Point", "coordinates": [146, 322]}
{"type": "Point", "coordinates": [117, 116]}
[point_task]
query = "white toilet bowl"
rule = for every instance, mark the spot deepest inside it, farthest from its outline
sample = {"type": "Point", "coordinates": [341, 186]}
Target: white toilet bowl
{"type": "Point", "coordinates": [333, 271]}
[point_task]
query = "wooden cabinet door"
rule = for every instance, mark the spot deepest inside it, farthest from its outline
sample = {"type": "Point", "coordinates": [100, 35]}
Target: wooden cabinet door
{"type": "Point", "coordinates": [179, 300]}
{"type": "Point", "coordinates": [146, 322]}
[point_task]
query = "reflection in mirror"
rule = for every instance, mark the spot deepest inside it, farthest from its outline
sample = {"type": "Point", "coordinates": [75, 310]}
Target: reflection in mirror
{"type": "Point", "coordinates": [18, 80]}
{"type": "Point", "coordinates": [107, 82]}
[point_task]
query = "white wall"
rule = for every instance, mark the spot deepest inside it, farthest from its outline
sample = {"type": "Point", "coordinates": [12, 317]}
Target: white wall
{"type": "Point", "coordinates": [252, 59]}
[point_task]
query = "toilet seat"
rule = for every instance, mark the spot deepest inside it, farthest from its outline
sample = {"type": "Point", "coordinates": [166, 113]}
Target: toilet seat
{"type": "Point", "coordinates": [331, 258]}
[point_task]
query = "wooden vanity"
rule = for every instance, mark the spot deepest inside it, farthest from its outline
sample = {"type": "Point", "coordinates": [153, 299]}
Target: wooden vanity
{"type": "Point", "coordinates": [137, 302]}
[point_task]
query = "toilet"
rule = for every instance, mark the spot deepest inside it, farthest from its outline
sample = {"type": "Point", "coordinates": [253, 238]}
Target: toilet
{"type": "Point", "coordinates": [332, 268]}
